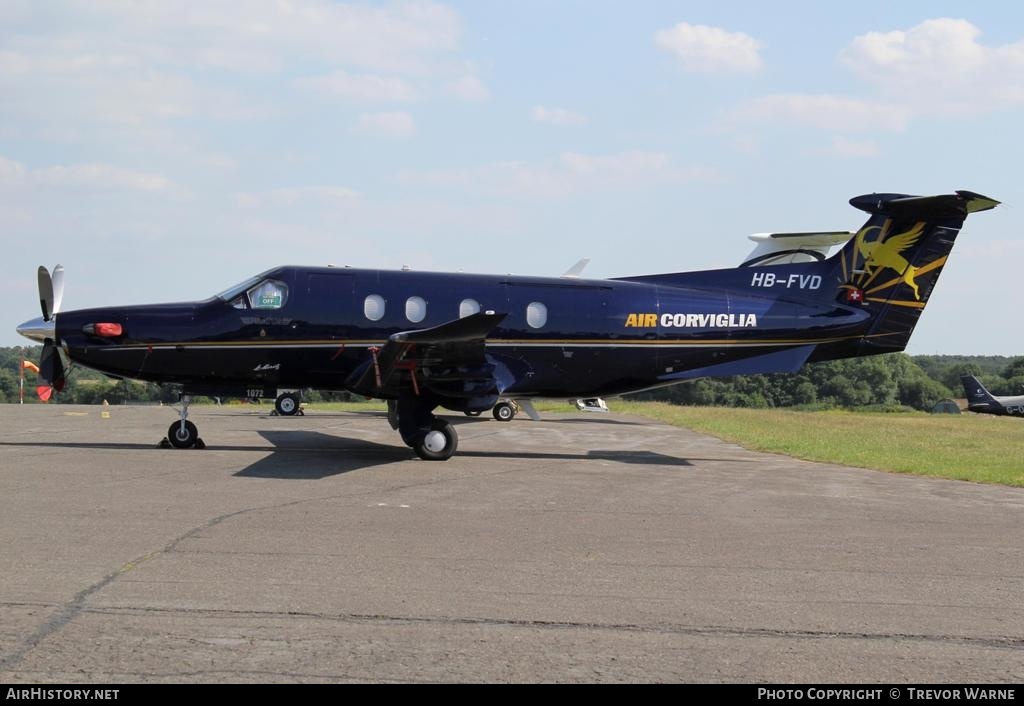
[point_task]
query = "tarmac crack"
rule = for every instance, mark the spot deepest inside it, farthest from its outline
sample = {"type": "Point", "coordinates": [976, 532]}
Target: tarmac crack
{"type": "Point", "coordinates": [1010, 643]}
{"type": "Point", "coordinates": [77, 605]}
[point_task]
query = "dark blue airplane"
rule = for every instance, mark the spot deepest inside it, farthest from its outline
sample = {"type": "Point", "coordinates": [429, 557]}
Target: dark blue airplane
{"type": "Point", "coordinates": [423, 340]}
{"type": "Point", "coordinates": [980, 400]}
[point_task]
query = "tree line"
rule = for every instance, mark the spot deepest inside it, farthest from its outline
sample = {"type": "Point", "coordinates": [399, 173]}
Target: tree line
{"type": "Point", "coordinates": [884, 381]}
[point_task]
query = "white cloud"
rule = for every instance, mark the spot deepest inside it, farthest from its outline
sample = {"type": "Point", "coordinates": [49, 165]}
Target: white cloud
{"type": "Point", "coordinates": [939, 65]}
{"type": "Point", "coordinates": [826, 112]}
{"type": "Point", "coordinates": [362, 88]}
{"type": "Point", "coordinates": [704, 49]}
{"type": "Point", "coordinates": [390, 125]}
{"type": "Point", "coordinates": [80, 177]}
{"type": "Point", "coordinates": [556, 116]}
{"type": "Point", "coordinates": [322, 196]}
{"type": "Point", "coordinates": [135, 68]}
{"type": "Point", "coordinates": [469, 88]}
{"type": "Point", "coordinates": [846, 148]}
{"type": "Point", "coordinates": [570, 174]}
{"type": "Point", "coordinates": [265, 35]}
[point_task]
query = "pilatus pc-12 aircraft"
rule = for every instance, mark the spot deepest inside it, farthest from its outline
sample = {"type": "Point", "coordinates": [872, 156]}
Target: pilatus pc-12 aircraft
{"type": "Point", "coordinates": [423, 340]}
{"type": "Point", "coordinates": [980, 400]}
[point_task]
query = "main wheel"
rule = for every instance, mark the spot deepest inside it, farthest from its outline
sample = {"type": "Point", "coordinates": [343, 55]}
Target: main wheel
{"type": "Point", "coordinates": [287, 404]}
{"type": "Point", "coordinates": [504, 411]}
{"type": "Point", "coordinates": [438, 444]}
{"type": "Point", "coordinates": [183, 438]}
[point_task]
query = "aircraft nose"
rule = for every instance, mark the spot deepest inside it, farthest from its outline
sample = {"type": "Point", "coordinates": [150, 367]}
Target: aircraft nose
{"type": "Point", "coordinates": [39, 330]}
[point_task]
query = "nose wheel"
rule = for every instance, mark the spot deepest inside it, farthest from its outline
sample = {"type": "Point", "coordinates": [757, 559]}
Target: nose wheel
{"type": "Point", "coordinates": [183, 434]}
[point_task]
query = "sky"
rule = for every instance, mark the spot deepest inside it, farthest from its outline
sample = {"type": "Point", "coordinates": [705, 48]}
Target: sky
{"type": "Point", "coordinates": [164, 151]}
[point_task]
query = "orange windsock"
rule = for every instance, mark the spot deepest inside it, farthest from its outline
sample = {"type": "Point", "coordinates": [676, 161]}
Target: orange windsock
{"type": "Point", "coordinates": [29, 365]}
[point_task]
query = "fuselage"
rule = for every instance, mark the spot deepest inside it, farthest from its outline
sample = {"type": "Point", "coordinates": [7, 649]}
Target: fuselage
{"type": "Point", "coordinates": [1000, 406]}
{"type": "Point", "coordinates": [310, 327]}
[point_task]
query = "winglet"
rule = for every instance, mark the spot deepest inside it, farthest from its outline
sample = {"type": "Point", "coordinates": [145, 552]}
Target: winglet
{"type": "Point", "coordinates": [576, 270]}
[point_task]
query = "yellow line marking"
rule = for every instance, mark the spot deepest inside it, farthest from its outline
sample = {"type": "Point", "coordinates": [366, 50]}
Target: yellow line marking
{"type": "Point", "coordinates": [912, 305]}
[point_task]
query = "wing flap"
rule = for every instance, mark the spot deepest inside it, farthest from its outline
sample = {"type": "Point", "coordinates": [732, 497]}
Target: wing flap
{"type": "Point", "coordinates": [446, 359]}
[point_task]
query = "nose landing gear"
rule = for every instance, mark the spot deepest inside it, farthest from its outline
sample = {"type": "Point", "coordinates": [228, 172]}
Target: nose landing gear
{"type": "Point", "coordinates": [183, 434]}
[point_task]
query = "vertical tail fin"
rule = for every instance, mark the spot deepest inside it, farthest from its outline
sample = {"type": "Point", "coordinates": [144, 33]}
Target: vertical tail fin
{"type": "Point", "coordinates": [975, 391]}
{"type": "Point", "coordinates": [891, 265]}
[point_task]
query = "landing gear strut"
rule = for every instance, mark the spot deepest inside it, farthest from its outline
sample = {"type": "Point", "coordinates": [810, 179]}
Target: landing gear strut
{"type": "Point", "coordinates": [183, 434]}
{"type": "Point", "coordinates": [431, 438]}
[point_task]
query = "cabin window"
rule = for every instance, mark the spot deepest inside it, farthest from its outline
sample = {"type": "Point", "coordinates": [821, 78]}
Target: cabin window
{"type": "Point", "coordinates": [536, 314]}
{"type": "Point", "coordinates": [468, 307]}
{"type": "Point", "coordinates": [269, 294]}
{"type": "Point", "coordinates": [415, 309]}
{"type": "Point", "coordinates": [373, 307]}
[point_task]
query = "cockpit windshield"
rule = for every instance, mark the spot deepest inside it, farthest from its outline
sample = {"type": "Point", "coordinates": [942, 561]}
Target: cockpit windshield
{"type": "Point", "coordinates": [232, 292]}
{"type": "Point", "coordinates": [259, 292]}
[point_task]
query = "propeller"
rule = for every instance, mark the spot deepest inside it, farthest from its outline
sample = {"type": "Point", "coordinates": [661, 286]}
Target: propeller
{"type": "Point", "coordinates": [51, 290]}
{"type": "Point", "coordinates": [51, 367]}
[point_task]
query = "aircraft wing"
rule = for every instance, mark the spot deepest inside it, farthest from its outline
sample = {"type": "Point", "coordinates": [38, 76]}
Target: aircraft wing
{"type": "Point", "coordinates": [446, 360]}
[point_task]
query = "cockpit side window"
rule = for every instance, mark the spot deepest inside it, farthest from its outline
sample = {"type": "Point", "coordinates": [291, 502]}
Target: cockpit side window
{"type": "Point", "coordinates": [239, 302]}
{"type": "Point", "coordinates": [268, 294]}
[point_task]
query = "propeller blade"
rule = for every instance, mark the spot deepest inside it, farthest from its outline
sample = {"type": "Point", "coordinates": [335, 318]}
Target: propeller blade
{"type": "Point", "coordinates": [45, 293]}
{"type": "Point", "coordinates": [57, 280]}
{"type": "Point", "coordinates": [51, 367]}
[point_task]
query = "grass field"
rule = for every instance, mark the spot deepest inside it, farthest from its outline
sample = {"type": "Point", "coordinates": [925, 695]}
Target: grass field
{"type": "Point", "coordinates": [973, 447]}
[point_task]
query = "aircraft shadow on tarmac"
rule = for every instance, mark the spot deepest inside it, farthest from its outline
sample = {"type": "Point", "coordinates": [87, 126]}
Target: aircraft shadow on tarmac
{"type": "Point", "coordinates": [309, 455]}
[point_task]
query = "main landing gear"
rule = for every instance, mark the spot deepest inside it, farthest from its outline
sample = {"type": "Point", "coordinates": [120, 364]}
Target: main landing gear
{"type": "Point", "coordinates": [431, 438]}
{"type": "Point", "coordinates": [183, 434]}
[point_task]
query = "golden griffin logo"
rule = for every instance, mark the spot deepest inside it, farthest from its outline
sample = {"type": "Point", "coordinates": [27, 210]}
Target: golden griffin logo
{"type": "Point", "coordinates": [887, 253]}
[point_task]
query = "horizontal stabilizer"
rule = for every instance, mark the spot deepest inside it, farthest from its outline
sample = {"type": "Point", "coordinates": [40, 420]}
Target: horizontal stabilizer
{"type": "Point", "coordinates": [924, 208]}
{"type": "Point", "coordinates": [787, 248]}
